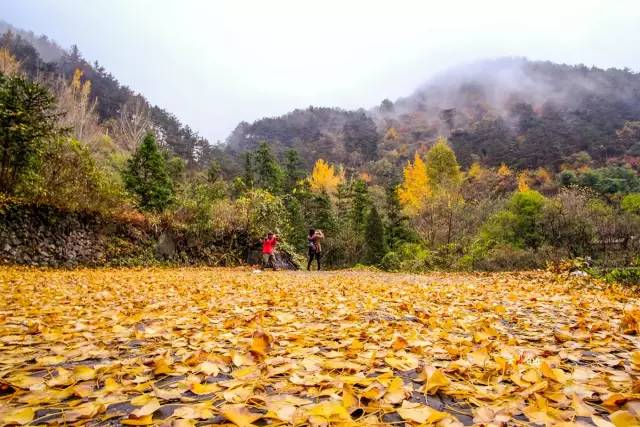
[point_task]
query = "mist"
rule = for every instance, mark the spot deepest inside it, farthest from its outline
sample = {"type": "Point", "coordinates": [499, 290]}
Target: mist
{"type": "Point", "coordinates": [217, 64]}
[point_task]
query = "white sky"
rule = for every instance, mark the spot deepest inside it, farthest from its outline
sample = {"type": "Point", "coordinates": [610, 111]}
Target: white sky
{"type": "Point", "coordinates": [216, 63]}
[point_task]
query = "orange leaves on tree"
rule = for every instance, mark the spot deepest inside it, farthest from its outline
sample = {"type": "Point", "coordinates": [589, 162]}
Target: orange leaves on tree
{"type": "Point", "coordinates": [523, 182]}
{"type": "Point", "coordinates": [504, 171]}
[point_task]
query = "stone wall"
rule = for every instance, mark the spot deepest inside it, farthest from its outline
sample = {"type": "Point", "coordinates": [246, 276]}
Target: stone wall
{"type": "Point", "coordinates": [45, 236]}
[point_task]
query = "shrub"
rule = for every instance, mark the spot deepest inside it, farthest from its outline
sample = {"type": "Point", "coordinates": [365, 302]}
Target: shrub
{"type": "Point", "coordinates": [263, 212]}
{"type": "Point", "coordinates": [631, 203]}
{"type": "Point", "coordinates": [194, 201]}
{"type": "Point", "coordinates": [611, 180]}
{"type": "Point", "coordinates": [409, 257]}
{"type": "Point", "coordinates": [68, 177]}
{"type": "Point", "coordinates": [390, 262]}
{"type": "Point", "coordinates": [627, 276]}
{"type": "Point", "coordinates": [506, 257]}
{"type": "Point", "coordinates": [518, 225]}
{"type": "Point", "coordinates": [568, 222]}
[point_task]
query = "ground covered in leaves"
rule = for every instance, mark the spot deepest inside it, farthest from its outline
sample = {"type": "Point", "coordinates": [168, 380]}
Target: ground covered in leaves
{"type": "Point", "coordinates": [181, 347]}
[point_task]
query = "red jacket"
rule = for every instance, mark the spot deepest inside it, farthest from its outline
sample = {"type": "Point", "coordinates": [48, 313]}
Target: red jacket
{"type": "Point", "coordinates": [268, 245]}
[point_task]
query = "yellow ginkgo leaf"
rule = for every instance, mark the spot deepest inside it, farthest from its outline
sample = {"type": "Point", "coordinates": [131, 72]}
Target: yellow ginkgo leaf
{"type": "Point", "coordinates": [395, 392]}
{"type": "Point", "coordinates": [479, 357]}
{"type": "Point", "coordinates": [349, 399]}
{"type": "Point", "coordinates": [330, 410]}
{"type": "Point", "coordinates": [260, 343]}
{"type": "Point", "coordinates": [435, 381]}
{"type": "Point", "coordinates": [111, 385]}
{"type": "Point", "coordinates": [282, 411]}
{"type": "Point", "coordinates": [63, 378]}
{"type": "Point", "coordinates": [167, 394]}
{"type": "Point", "coordinates": [85, 410]}
{"type": "Point", "coordinates": [399, 343]}
{"type": "Point", "coordinates": [161, 366]}
{"type": "Point", "coordinates": [624, 419]}
{"type": "Point", "coordinates": [283, 317]}
{"type": "Point", "coordinates": [141, 400]}
{"type": "Point", "coordinates": [135, 421]}
{"type": "Point", "coordinates": [635, 358]}
{"type": "Point", "coordinates": [149, 408]}
{"type": "Point", "coordinates": [84, 373]}
{"type": "Point", "coordinates": [19, 416]}
{"type": "Point", "coordinates": [581, 408]}
{"type": "Point", "coordinates": [208, 368]}
{"type": "Point", "coordinates": [193, 412]}
{"type": "Point", "coordinates": [239, 415]}
{"type": "Point", "coordinates": [420, 413]}
{"type": "Point", "coordinates": [206, 388]}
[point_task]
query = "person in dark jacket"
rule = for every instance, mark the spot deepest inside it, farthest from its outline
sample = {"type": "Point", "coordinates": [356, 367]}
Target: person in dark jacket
{"type": "Point", "coordinates": [315, 248]}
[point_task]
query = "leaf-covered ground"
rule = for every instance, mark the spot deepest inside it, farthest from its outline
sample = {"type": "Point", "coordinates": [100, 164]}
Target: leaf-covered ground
{"type": "Point", "coordinates": [221, 346]}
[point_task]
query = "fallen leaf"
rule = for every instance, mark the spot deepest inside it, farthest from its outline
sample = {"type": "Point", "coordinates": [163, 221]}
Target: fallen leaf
{"type": "Point", "coordinates": [20, 416]}
{"type": "Point", "coordinates": [239, 415]}
{"type": "Point", "coordinates": [420, 413]}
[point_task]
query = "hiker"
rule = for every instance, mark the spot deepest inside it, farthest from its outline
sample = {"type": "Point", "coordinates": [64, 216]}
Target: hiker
{"type": "Point", "coordinates": [268, 248]}
{"type": "Point", "coordinates": [315, 249]}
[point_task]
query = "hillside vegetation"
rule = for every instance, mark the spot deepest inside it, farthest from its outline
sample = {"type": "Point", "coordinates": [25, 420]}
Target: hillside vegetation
{"type": "Point", "coordinates": [503, 164]}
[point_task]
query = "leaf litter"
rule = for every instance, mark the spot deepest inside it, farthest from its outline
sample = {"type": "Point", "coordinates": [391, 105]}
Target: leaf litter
{"type": "Point", "coordinates": [200, 346]}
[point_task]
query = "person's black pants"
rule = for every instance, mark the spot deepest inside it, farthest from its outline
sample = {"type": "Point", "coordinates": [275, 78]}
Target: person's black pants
{"type": "Point", "coordinates": [312, 255]}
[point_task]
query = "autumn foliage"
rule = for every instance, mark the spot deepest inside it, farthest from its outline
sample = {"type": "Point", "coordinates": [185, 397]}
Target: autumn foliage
{"type": "Point", "coordinates": [184, 346]}
{"type": "Point", "coordinates": [324, 177]}
{"type": "Point", "coordinates": [414, 190]}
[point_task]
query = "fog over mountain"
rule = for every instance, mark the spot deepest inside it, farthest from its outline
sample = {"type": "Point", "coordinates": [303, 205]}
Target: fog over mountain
{"type": "Point", "coordinates": [215, 64]}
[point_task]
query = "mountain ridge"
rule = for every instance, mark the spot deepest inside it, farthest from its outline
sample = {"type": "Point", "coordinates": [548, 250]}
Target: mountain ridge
{"type": "Point", "coordinates": [511, 110]}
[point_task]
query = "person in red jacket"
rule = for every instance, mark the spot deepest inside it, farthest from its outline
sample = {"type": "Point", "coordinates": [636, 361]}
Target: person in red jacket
{"type": "Point", "coordinates": [268, 248]}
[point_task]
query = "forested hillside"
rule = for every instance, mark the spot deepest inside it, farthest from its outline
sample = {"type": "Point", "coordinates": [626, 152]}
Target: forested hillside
{"type": "Point", "coordinates": [503, 164]}
{"type": "Point", "coordinates": [522, 113]}
{"type": "Point", "coordinates": [125, 113]}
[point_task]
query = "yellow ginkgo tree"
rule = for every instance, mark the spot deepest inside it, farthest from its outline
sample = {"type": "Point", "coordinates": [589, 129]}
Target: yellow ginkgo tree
{"type": "Point", "coordinates": [523, 182]}
{"type": "Point", "coordinates": [414, 190]}
{"type": "Point", "coordinates": [325, 177]}
{"type": "Point", "coordinates": [430, 192]}
{"type": "Point", "coordinates": [9, 65]}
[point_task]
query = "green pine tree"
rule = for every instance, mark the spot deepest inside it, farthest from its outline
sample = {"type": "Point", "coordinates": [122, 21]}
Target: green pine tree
{"type": "Point", "coordinates": [296, 219]}
{"type": "Point", "coordinates": [398, 229]}
{"type": "Point", "coordinates": [320, 214]}
{"type": "Point", "coordinates": [27, 120]}
{"type": "Point", "coordinates": [360, 203]}
{"type": "Point", "coordinates": [214, 173]}
{"type": "Point", "coordinates": [249, 173]}
{"type": "Point", "coordinates": [293, 170]}
{"type": "Point", "coordinates": [269, 174]}
{"type": "Point", "coordinates": [375, 245]}
{"type": "Point", "coordinates": [147, 177]}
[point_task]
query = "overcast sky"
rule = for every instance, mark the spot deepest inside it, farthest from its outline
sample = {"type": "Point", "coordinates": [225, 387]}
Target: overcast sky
{"type": "Point", "coordinates": [216, 63]}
